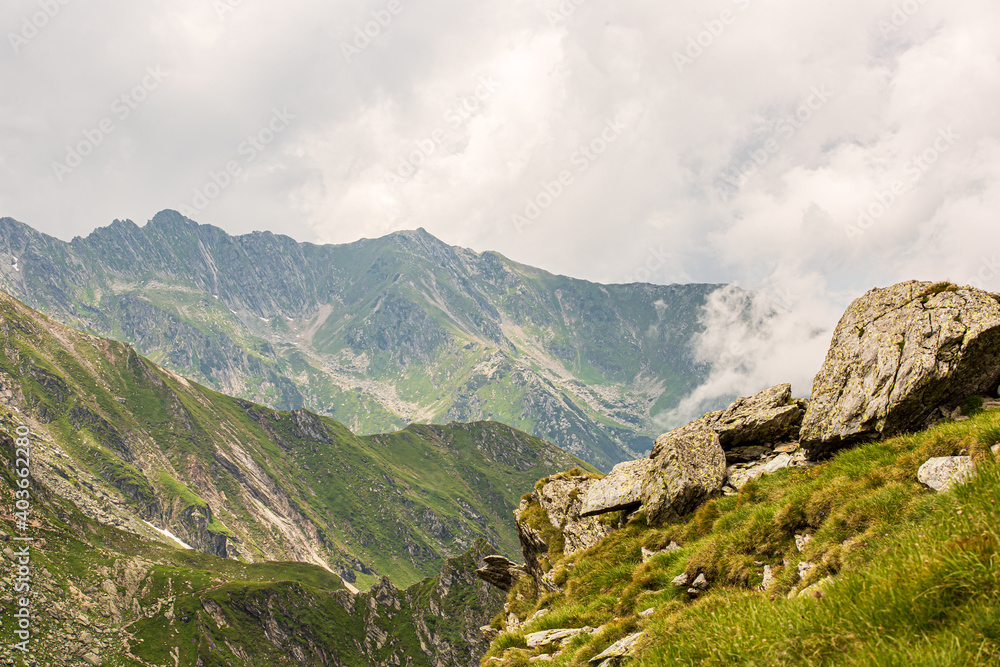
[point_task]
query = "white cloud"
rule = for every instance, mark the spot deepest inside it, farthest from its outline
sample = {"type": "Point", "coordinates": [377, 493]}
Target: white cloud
{"type": "Point", "coordinates": [897, 72]}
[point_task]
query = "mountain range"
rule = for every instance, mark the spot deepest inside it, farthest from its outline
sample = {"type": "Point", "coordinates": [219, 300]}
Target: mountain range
{"type": "Point", "coordinates": [377, 334]}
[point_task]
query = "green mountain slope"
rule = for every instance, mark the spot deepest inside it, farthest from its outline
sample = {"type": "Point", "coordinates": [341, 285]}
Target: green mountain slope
{"type": "Point", "coordinates": [378, 333]}
{"type": "Point", "coordinates": [866, 567]}
{"type": "Point", "coordinates": [138, 447]}
{"type": "Point", "coordinates": [97, 595]}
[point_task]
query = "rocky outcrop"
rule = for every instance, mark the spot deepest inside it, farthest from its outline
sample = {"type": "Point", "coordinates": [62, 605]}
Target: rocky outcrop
{"type": "Point", "coordinates": [898, 355]}
{"type": "Point", "coordinates": [501, 572]}
{"type": "Point", "coordinates": [943, 472]}
{"type": "Point", "coordinates": [620, 490]}
{"type": "Point", "coordinates": [688, 467]}
{"type": "Point", "coordinates": [767, 418]}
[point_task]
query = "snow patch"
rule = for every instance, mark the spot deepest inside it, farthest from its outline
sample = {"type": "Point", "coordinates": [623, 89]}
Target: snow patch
{"type": "Point", "coordinates": [167, 533]}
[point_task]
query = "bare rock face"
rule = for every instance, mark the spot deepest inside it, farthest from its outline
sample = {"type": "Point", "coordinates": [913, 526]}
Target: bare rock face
{"type": "Point", "coordinates": [560, 500]}
{"type": "Point", "coordinates": [688, 467]}
{"type": "Point", "coordinates": [620, 490]}
{"type": "Point", "coordinates": [501, 572]}
{"type": "Point", "coordinates": [898, 355]}
{"type": "Point", "coordinates": [764, 419]}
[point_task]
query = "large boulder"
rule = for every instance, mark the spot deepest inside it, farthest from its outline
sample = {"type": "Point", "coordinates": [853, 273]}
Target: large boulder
{"type": "Point", "coordinates": [620, 490]}
{"type": "Point", "coordinates": [898, 355]}
{"type": "Point", "coordinates": [767, 418]}
{"type": "Point", "coordinates": [689, 467]}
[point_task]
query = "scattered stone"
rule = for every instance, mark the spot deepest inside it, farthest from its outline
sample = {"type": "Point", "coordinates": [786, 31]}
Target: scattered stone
{"type": "Point", "coordinates": [688, 467]}
{"type": "Point", "coordinates": [620, 490]}
{"type": "Point", "coordinates": [545, 657]}
{"type": "Point", "coordinates": [790, 448]}
{"type": "Point", "coordinates": [649, 554]}
{"type": "Point", "coordinates": [700, 582]}
{"type": "Point", "coordinates": [896, 355]}
{"type": "Point", "coordinates": [681, 580]}
{"type": "Point", "coordinates": [769, 578]}
{"type": "Point", "coordinates": [648, 612]}
{"type": "Point", "coordinates": [621, 649]}
{"type": "Point", "coordinates": [801, 541]}
{"type": "Point", "coordinates": [91, 659]}
{"type": "Point", "coordinates": [944, 472]}
{"type": "Point", "coordinates": [779, 462]}
{"type": "Point", "coordinates": [538, 614]}
{"type": "Point", "coordinates": [501, 572]}
{"type": "Point", "coordinates": [546, 637]}
{"type": "Point", "coordinates": [804, 569]}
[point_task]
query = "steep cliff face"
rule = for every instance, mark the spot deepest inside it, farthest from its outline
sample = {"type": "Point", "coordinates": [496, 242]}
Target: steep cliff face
{"type": "Point", "coordinates": [378, 333]}
{"type": "Point", "coordinates": [140, 448]}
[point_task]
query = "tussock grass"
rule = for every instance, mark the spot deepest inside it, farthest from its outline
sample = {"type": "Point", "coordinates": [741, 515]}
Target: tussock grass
{"type": "Point", "coordinates": [907, 576]}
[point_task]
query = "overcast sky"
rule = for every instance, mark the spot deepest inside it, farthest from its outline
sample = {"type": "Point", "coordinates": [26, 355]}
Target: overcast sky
{"type": "Point", "coordinates": [809, 150]}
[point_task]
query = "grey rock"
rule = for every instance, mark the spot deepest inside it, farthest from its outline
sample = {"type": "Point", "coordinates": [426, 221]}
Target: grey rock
{"type": "Point", "coordinates": [779, 462]}
{"type": "Point", "coordinates": [621, 649]}
{"type": "Point", "coordinates": [768, 579]}
{"type": "Point", "coordinates": [944, 472]}
{"type": "Point", "coordinates": [681, 580]}
{"type": "Point", "coordinates": [897, 355]}
{"type": "Point", "coordinates": [801, 541]}
{"type": "Point", "coordinates": [621, 489]}
{"type": "Point", "coordinates": [546, 637]}
{"type": "Point", "coordinates": [766, 418]}
{"type": "Point", "coordinates": [689, 467]}
{"type": "Point", "coordinates": [649, 554]}
{"type": "Point", "coordinates": [501, 572]}
{"type": "Point", "coordinates": [700, 582]}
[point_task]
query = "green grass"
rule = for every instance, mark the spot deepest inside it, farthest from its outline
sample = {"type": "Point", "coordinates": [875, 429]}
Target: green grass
{"type": "Point", "coordinates": [905, 576]}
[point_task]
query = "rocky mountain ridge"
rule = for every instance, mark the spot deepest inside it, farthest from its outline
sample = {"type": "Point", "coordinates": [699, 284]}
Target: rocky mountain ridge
{"type": "Point", "coordinates": [378, 333]}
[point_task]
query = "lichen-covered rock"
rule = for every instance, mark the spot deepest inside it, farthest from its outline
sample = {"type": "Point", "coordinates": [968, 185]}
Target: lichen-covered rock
{"type": "Point", "coordinates": [898, 355]}
{"type": "Point", "coordinates": [552, 513]}
{"type": "Point", "coordinates": [689, 466]}
{"type": "Point", "coordinates": [620, 490]}
{"type": "Point", "coordinates": [619, 651]}
{"type": "Point", "coordinates": [768, 417]}
{"type": "Point", "coordinates": [944, 472]}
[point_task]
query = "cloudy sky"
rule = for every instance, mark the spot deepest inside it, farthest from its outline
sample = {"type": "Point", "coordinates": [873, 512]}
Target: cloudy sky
{"type": "Point", "coordinates": [808, 150]}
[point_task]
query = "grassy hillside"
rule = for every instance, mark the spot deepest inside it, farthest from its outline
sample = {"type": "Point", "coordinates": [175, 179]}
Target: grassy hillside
{"type": "Point", "coordinates": [378, 333]}
{"type": "Point", "coordinates": [100, 595]}
{"type": "Point", "coordinates": [900, 575]}
{"type": "Point", "coordinates": [129, 442]}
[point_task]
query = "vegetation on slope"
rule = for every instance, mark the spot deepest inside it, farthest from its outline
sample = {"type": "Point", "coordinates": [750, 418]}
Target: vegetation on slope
{"type": "Point", "coordinates": [100, 595]}
{"type": "Point", "coordinates": [902, 575]}
{"type": "Point", "coordinates": [236, 479]}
